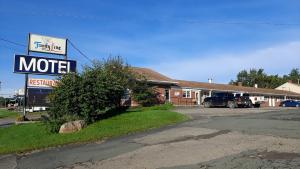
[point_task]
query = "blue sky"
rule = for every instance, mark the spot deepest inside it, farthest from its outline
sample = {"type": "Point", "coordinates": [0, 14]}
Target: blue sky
{"type": "Point", "coordinates": [183, 39]}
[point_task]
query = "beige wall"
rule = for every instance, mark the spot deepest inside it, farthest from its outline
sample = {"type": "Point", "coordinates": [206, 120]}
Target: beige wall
{"type": "Point", "coordinates": [289, 87]}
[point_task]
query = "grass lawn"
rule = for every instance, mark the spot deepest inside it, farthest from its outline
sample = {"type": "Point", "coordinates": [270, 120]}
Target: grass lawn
{"type": "Point", "coordinates": [35, 136]}
{"type": "Point", "coordinates": [6, 113]}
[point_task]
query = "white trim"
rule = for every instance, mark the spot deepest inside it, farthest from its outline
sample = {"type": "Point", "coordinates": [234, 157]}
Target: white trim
{"type": "Point", "coordinates": [169, 94]}
{"type": "Point", "coordinates": [187, 90]}
{"type": "Point", "coordinates": [199, 96]}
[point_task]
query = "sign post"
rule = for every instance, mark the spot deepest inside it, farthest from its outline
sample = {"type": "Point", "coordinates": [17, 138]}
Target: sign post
{"type": "Point", "coordinates": [66, 53]}
{"type": "Point", "coordinates": [26, 83]}
{"type": "Point", "coordinates": [43, 44]}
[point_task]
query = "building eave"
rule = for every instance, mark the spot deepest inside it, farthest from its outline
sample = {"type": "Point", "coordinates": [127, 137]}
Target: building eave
{"type": "Point", "coordinates": [162, 82]}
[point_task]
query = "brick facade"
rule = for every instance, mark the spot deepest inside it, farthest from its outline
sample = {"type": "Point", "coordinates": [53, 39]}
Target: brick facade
{"type": "Point", "coordinates": [178, 99]}
{"type": "Point", "coordinates": [175, 90]}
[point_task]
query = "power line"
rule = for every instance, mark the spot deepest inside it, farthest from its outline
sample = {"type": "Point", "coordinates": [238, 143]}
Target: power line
{"type": "Point", "coordinates": [15, 43]}
{"type": "Point", "coordinates": [79, 51]}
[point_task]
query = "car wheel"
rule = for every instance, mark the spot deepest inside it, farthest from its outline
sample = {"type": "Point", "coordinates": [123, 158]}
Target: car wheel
{"type": "Point", "coordinates": [207, 104]}
{"type": "Point", "coordinates": [231, 105]}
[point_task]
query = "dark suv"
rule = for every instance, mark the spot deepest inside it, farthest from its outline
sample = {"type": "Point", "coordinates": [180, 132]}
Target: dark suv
{"type": "Point", "coordinates": [228, 100]}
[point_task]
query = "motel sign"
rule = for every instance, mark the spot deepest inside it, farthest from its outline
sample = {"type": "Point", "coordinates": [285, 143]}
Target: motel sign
{"type": "Point", "coordinates": [47, 44]}
{"type": "Point", "coordinates": [41, 65]}
{"type": "Point", "coordinates": [26, 64]}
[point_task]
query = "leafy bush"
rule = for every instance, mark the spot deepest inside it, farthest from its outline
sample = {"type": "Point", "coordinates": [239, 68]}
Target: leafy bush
{"type": "Point", "coordinates": [97, 89]}
{"type": "Point", "coordinates": [64, 99]}
{"type": "Point", "coordinates": [143, 94]}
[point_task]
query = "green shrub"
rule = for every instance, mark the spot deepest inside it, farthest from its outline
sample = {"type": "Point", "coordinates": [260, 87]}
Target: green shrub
{"type": "Point", "coordinates": [65, 101]}
{"type": "Point", "coordinates": [143, 94]}
{"type": "Point", "coordinates": [97, 89]}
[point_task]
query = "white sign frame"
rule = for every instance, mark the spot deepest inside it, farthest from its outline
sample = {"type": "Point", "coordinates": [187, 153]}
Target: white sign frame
{"type": "Point", "coordinates": [47, 44]}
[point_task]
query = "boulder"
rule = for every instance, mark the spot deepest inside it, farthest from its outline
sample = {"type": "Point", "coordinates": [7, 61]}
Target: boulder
{"type": "Point", "coordinates": [72, 126]}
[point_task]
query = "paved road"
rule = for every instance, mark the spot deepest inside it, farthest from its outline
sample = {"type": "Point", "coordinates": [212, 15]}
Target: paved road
{"type": "Point", "coordinates": [215, 138]}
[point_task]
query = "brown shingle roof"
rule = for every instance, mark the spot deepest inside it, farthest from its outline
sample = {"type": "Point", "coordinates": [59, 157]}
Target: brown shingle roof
{"type": "Point", "coordinates": [152, 75]}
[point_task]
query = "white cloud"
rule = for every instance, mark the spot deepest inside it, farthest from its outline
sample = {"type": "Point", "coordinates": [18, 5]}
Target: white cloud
{"type": "Point", "coordinates": [278, 59]}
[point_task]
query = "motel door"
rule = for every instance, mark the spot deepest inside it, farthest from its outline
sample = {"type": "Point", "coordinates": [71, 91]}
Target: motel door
{"type": "Point", "coordinates": [167, 95]}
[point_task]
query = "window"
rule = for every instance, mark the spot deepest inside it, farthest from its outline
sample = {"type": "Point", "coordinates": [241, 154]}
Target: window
{"type": "Point", "coordinates": [279, 99]}
{"type": "Point", "coordinates": [186, 93]}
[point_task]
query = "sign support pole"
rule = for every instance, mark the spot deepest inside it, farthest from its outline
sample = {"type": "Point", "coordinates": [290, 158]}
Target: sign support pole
{"type": "Point", "coordinates": [25, 96]}
{"type": "Point", "coordinates": [26, 84]}
{"type": "Point", "coordinates": [66, 55]}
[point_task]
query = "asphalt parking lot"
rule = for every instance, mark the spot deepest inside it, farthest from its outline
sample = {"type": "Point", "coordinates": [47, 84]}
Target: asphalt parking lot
{"type": "Point", "coordinates": [214, 138]}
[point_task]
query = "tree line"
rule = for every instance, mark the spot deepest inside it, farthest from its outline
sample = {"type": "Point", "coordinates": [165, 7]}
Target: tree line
{"type": "Point", "coordinates": [263, 80]}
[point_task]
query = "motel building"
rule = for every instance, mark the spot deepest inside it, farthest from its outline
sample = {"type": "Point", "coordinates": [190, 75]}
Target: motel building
{"type": "Point", "coordinates": [192, 93]}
